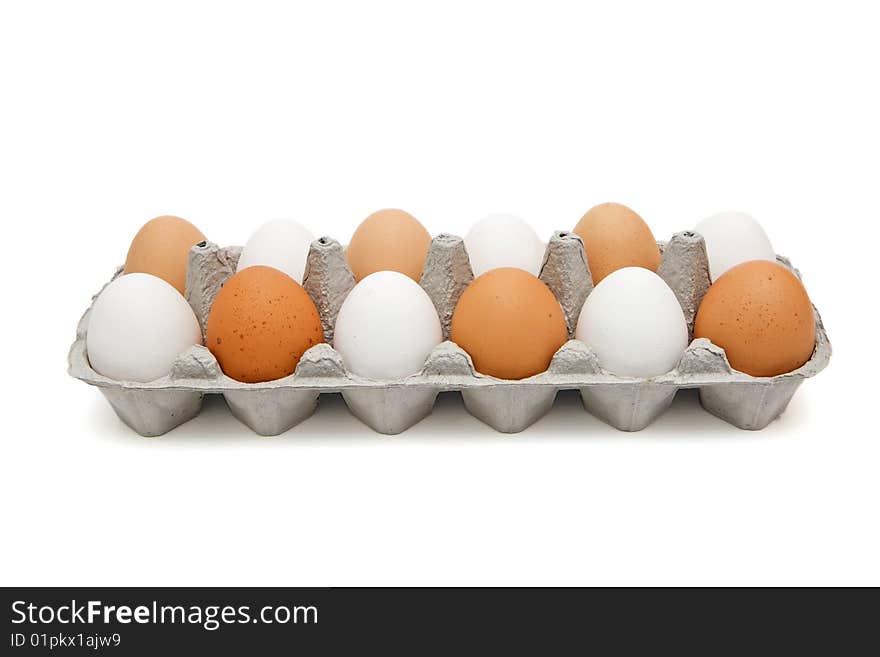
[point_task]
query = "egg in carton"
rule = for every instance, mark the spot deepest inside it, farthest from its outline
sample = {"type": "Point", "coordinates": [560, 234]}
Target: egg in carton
{"type": "Point", "coordinates": [390, 407]}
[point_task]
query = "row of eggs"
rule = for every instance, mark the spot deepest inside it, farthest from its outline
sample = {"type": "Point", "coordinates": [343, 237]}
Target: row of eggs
{"type": "Point", "coordinates": [507, 319]}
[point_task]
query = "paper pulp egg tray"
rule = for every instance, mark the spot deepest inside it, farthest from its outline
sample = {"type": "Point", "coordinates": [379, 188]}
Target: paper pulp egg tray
{"type": "Point", "coordinates": [390, 407]}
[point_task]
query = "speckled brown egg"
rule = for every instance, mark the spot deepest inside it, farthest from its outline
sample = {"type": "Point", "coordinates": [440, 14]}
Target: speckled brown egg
{"type": "Point", "coordinates": [616, 237]}
{"type": "Point", "coordinates": [261, 323]}
{"type": "Point", "coordinates": [509, 322]}
{"type": "Point", "coordinates": [759, 312]}
{"type": "Point", "coordinates": [389, 240]}
{"type": "Point", "coordinates": [161, 248]}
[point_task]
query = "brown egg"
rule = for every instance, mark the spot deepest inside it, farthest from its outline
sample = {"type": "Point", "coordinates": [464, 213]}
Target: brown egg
{"type": "Point", "coordinates": [616, 237]}
{"type": "Point", "coordinates": [390, 240]}
{"type": "Point", "coordinates": [509, 322]}
{"type": "Point", "coordinates": [161, 248]}
{"type": "Point", "coordinates": [759, 312]}
{"type": "Point", "coordinates": [261, 323]}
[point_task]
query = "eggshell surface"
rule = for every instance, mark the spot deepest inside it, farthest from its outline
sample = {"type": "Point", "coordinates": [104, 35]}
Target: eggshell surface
{"type": "Point", "coordinates": [616, 237]}
{"type": "Point", "coordinates": [634, 324]}
{"type": "Point", "coordinates": [138, 326]}
{"type": "Point", "coordinates": [260, 324]}
{"type": "Point", "coordinates": [510, 324]}
{"type": "Point", "coordinates": [161, 248]}
{"type": "Point", "coordinates": [759, 312]}
{"type": "Point", "coordinates": [502, 240]}
{"type": "Point", "coordinates": [391, 240]}
{"type": "Point", "coordinates": [731, 239]}
{"type": "Point", "coordinates": [280, 243]}
{"type": "Point", "coordinates": [386, 327]}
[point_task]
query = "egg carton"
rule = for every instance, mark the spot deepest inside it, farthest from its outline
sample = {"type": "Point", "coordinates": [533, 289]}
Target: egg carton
{"type": "Point", "coordinates": [390, 407]}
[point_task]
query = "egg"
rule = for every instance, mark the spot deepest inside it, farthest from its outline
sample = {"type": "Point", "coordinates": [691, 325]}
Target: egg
{"type": "Point", "coordinates": [386, 327]}
{"type": "Point", "coordinates": [759, 312]}
{"type": "Point", "coordinates": [391, 240]}
{"type": "Point", "coordinates": [280, 243]}
{"type": "Point", "coordinates": [616, 237]}
{"type": "Point", "coordinates": [502, 240]}
{"type": "Point", "coordinates": [634, 324]}
{"type": "Point", "coordinates": [509, 322]}
{"type": "Point", "coordinates": [260, 324]}
{"type": "Point", "coordinates": [137, 326]}
{"type": "Point", "coordinates": [731, 239]}
{"type": "Point", "coordinates": [161, 248]}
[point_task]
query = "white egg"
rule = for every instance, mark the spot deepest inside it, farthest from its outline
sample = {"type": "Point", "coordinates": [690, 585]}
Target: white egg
{"type": "Point", "coordinates": [137, 327]}
{"type": "Point", "coordinates": [634, 324]}
{"type": "Point", "coordinates": [386, 327]}
{"type": "Point", "coordinates": [502, 240]}
{"type": "Point", "coordinates": [280, 243]}
{"type": "Point", "coordinates": [731, 239]}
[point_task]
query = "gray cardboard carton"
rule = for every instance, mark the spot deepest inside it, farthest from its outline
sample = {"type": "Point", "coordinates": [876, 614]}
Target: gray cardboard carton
{"type": "Point", "coordinates": [390, 407]}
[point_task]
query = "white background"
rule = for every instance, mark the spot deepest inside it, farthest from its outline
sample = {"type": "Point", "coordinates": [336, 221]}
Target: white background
{"type": "Point", "coordinates": [230, 115]}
